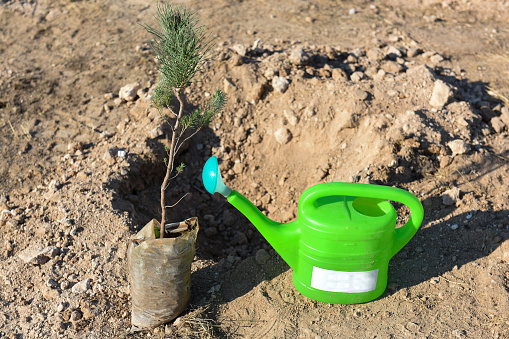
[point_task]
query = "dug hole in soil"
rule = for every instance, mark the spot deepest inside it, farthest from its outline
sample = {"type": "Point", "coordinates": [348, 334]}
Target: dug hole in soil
{"type": "Point", "coordinates": [381, 93]}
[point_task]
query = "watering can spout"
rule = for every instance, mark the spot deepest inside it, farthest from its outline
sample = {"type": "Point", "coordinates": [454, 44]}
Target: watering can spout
{"type": "Point", "coordinates": [283, 237]}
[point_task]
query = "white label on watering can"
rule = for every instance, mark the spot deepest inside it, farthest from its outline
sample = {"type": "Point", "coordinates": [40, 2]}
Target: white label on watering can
{"type": "Point", "coordinates": [346, 282]}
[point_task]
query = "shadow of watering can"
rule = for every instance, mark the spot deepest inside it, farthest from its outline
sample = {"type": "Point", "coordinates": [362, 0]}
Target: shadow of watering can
{"type": "Point", "coordinates": [340, 245]}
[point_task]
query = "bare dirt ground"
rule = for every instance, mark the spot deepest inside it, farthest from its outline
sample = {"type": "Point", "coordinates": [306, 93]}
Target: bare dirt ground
{"type": "Point", "coordinates": [412, 94]}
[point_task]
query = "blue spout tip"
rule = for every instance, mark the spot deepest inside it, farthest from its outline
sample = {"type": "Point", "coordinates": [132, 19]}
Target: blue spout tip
{"type": "Point", "coordinates": [212, 179]}
{"type": "Point", "coordinates": [209, 175]}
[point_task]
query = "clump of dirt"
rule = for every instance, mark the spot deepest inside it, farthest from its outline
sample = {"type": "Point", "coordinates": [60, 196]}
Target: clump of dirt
{"type": "Point", "coordinates": [82, 166]}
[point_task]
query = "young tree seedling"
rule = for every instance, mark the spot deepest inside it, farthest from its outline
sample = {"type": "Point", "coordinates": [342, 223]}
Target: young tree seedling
{"type": "Point", "coordinates": [181, 46]}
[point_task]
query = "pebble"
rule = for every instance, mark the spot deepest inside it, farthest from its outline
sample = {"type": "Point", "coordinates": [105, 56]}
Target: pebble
{"type": "Point", "coordinates": [156, 132]}
{"type": "Point", "coordinates": [61, 306]}
{"type": "Point", "coordinates": [283, 135]}
{"type": "Point", "coordinates": [392, 67]}
{"type": "Point", "coordinates": [413, 52]}
{"type": "Point", "coordinates": [504, 116]}
{"type": "Point", "coordinates": [497, 124]}
{"type": "Point", "coordinates": [52, 283]}
{"type": "Point", "coordinates": [357, 76]}
{"type": "Point", "coordinates": [280, 84]}
{"type": "Point", "coordinates": [361, 95]}
{"type": "Point", "coordinates": [445, 161]}
{"type": "Point", "coordinates": [375, 54]}
{"type": "Point", "coordinates": [393, 53]}
{"type": "Point", "coordinates": [299, 57]}
{"type": "Point", "coordinates": [450, 197]}
{"type": "Point", "coordinates": [338, 74]}
{"type": "Point", "coordinates": [292, 118]}
{"type": "Point", "coordinates": [454, 227]}
{"type": "Point", "coordinates": [441, 95]}
{"type": "Point", "coordinates": [129, 92]}
{"type": "Point", "coordinates": [240, 49]}
{"type": "Point", "coordinates": [65, 285]}
{"type": "Point", "coordinates": [82, 286]}
{"type": "Point", "coordinates": [76, 315]}
{"type": "Point", "coordinates": [108, 157]}
{"type": "Point", "coordinates": [458, 147]}
{"type": "Point", "coordinates": [38, 255]}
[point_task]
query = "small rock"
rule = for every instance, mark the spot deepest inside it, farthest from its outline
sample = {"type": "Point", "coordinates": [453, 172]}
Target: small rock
{"type": "Point", "coordinates": [445, 161]}
{"type": "Point", "coordinates": [442, 93]}
{"type": "Point", "coordinates": [338, 74]}
{"type": "Point", "coordinates": [61, 306]}
{"type": "Point", "coordinates": [280, 84]}
{"type": "Point", "coordinates": [236, 60]}
{"type": "Point", "coordinates": [52, 283]}
{"type": "Point", "coordinates": [292, 118]}
{"type": "Point", "coordinates": [257, 46]}
{"type": "Point", "coordinates": [299, 57]}
{"type": "Point", "coordinates": [262, 256]}
{"type": "Point", "coordinates": [497, 124]}
{"type": "Point", "coordinates": [122, 153]}
{"type": "Point", "coordinates": [228, 86]}
{"type": "Point", "coordinates": [375, 54]}
{"type": "Point", "coordinates": [38, 255]}
{"type": "Point", "coordinates": [393, 53]}
{"type": "Point", "coordinates": [357, 76]}
{"type": "Point", "coordinates": [392, 67]}
{"type": "Point", "coordinates": [76, 315]}
{"type": "Point", "coordinates": [129, 92]}
{"type": "Point", "coordinates": [82, 286]}
{"type": "Point", "coordinates": [454, 226]}
{"type": "Point", "coordinates": [413, 52]}
{"type": "Point", "coordinates": [436, 58]}
{"type": "Point", "coordinates": [458, 146]}
{"type": "Point", "coordinates": [54, 184]}
{"type": "Point", "coordinates": [450, 197]}
{"type": "Point", "coordinates": [109, 157]}
{"type": "Point", "coordinates": [504, 116]}
{"type": "Point", "coordinates": [240, 134]}
{"type": "Point", "coordinates": [240, 49]}
{"type": "Point", "coordinates": [309, 111]}
{"type": "Point", "coordinates": [156, 132]}
{"type": "Point", "coordinates": [75, 146]}
{"type": "Point", "coordinates": [283, 136]}
{"type": "Point", "coordinates": [361, 95]}
{"type": "Point", "coordinates": [255, 93]}
{"type": "Point", "coordinates": [65, 284]}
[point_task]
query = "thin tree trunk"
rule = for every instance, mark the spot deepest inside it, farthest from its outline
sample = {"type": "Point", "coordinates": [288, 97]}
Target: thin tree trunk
{"type": "Point", "coordinates": [169, 165]}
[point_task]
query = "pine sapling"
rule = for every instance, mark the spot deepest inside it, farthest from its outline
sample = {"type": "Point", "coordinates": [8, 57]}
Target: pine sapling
{"type": "Point", "coordinates": [181, 46]}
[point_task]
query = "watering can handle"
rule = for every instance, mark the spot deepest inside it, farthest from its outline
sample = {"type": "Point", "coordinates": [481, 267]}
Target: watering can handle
{"type": "Point", "coordinates": [402, 234]}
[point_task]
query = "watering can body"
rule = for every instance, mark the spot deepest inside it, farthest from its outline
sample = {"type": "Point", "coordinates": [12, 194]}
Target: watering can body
{"type": "Point", "coordinates": [341, 243]}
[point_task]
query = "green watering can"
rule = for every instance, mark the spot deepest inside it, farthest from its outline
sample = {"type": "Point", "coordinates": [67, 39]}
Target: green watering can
{"type": "Point", "coordinates": [340, 245]}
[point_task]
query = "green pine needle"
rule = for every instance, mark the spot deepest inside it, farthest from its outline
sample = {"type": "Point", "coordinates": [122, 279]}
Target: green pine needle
{"type": "Point", "coordinates": [163, 93]}
{"type": "Point", "coordinates": [216, 105]}
{"type": "Point", "coordinates": [181, 45]}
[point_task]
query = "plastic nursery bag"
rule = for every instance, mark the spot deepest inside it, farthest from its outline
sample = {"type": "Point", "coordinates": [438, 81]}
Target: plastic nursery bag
{"type": "Point", "coordinates": [160, 272]}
